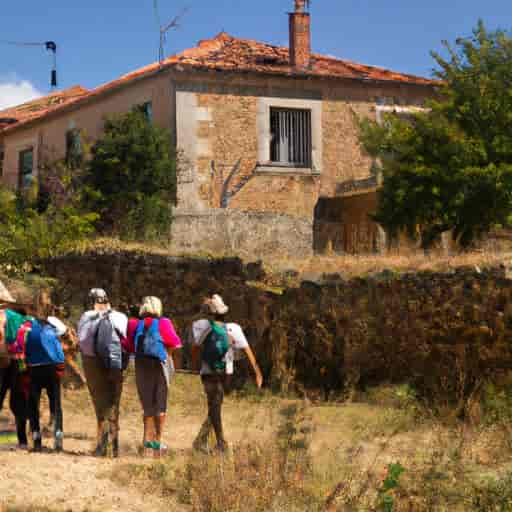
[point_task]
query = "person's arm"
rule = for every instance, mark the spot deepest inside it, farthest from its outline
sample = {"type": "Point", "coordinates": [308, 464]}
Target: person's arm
{"type": "Point", "coordinates": [195, 354]}
{"type": "Point", "coordinates": [3, 322]}
{"type": "Point", "coordinates": [257, 372]}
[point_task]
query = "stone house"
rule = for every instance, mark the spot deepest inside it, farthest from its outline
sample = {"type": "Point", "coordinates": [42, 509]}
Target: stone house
{"type": "Point", "coordinates": [267, 137]}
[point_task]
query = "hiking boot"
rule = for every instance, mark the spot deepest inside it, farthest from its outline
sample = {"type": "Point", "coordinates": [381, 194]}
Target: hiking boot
{"type": "Point", "coordinates": [58, 446]}
{"type": "Point", "coordinates": [38, 445]}
{"type": "Point", "coordinates": [101, 448]}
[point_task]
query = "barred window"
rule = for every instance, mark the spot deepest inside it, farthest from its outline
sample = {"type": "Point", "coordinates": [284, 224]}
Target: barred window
{"type": "Point", "coordinates": [26, 168]}
{"type": "Point", "coordinates": [290, 137]}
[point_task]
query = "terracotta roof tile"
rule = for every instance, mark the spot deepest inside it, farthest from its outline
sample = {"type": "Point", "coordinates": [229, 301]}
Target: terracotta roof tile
{"type": "Point", "coordinates": [40, 106]}
{"type": "Point", "coordinates": [222, 53]}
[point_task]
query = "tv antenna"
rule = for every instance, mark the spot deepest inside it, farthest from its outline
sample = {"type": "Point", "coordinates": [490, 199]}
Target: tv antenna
{"type": "Point", "coordinates": [50, 46]}
{"type": "Point", "coordinates": [163, 29]}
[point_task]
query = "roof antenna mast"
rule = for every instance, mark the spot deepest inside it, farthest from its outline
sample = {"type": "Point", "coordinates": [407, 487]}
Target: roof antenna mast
{"type": "Point", "coordinates": [163, 29]}
{"type": "Point", "coordinates": [50, 46]}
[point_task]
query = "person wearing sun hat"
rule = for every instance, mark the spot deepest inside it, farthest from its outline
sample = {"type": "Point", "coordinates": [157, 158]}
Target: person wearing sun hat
{"type": "Point", "coordinates": [214, 344]}
{"type": "Point", "coordinates": [105, 386]}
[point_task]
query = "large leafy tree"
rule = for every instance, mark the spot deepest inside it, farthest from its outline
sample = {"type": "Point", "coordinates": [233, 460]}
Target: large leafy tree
{"type": "Point", "coordinates": [132, 177]}
{"type": "Point", "coordinates": [450, 168]}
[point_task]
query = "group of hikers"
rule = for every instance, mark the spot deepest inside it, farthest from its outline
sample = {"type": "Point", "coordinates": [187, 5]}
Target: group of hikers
{"type": "Point", "coordinates": [33, 354]}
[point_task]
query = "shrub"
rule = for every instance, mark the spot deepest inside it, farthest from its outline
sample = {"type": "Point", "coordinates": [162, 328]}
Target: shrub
{"type": "Point", "coordinates": [132, 177]}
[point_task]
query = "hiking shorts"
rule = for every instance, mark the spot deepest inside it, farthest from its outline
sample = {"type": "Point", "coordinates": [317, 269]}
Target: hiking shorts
{"type": "Point", "coordinates": [152, 386]}
{"type": "Point", "coordinates": [105, 387]}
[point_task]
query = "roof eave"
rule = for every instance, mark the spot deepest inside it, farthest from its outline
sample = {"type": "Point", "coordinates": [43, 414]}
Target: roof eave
{"type": "Point", "coordinates": [176, 66]}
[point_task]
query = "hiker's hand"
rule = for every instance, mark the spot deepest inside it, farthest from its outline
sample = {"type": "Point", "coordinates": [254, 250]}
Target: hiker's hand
{"type": "Point", "coordinates": [259, 379]}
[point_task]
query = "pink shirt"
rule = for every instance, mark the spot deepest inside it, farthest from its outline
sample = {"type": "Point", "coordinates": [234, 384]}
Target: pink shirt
{"type": "Point", "coordinates": [165, 326]}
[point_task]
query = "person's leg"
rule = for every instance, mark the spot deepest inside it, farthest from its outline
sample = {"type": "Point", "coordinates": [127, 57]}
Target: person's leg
{"type": "Point", "coordinates": [215, 395]}
{"type": "Point", "coordinates": [50, 391]}
{"type": "Point", "coordinates": [56, 389]}
{"type": "Point", "coordinates": [95, 376]}
{"type": "Point", "coordinates": [18, 404]}
{"type": "Point", "coordinates": [161, 392]}
{"type": "Point", "coordinates": [117, 390]}
{"type": "Point", "coordinates": [34, 398]}
{"type": "Point", "coordinates": [149, 435]}
{"type": "Point", "coordinates": [144, 380]}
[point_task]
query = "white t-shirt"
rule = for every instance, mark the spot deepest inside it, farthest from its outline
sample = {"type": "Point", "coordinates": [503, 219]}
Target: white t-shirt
{"type": "Point", "coordinates": [87, 327]}
{"type": "Point", "coordinates": [237, 339]}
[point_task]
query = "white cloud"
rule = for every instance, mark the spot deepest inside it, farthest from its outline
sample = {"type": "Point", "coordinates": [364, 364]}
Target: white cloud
{"type": "Point", "coordinates": [14, 92]}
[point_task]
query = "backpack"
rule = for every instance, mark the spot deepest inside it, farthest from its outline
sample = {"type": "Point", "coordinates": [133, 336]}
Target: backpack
{"type": "Point", "coordinates": [215, 347]}
{"type": "Point", "coordinates": [149, 342]}
{"type": "Point", "coordinates": [107, 343]}
{"type": "Point", "coordinates": [43, 346]}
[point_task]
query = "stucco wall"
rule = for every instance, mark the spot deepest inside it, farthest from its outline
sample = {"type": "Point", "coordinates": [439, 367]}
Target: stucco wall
{"type": "Point", "coordinates": [48, 138]}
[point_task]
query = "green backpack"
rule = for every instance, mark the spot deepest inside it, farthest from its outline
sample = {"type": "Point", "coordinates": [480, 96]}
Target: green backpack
{"type": "Point", "coordinates": [215, 347]}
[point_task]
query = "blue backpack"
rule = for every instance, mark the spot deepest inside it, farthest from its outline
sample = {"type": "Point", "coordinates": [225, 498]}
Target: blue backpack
{"type": "Point", "coordinates": [43, 346]}
{"type": "Point", "coordinates": [149, 342]}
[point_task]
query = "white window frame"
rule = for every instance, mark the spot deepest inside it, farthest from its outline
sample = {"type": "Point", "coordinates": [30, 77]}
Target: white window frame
{"type": "Point", "coordinates": [265, 165]}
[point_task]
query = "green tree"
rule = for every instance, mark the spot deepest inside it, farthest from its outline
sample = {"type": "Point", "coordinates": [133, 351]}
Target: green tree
{"type": "Point", "coordinates": [450, 168]}
{"type": "Point", "coordinates": [132, 177]}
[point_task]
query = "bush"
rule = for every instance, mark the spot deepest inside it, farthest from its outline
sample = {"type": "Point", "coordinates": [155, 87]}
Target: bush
{"type": "Point", "coordinates": [132, 178]}
{"type": "Point", "coordinates": [30, 235]}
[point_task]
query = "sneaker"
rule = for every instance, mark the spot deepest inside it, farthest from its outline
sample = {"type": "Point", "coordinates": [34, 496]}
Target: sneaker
{"type": "Point", "coordinates": [159, 449]}
{"type": "Point", "coordinates": [58, 446]}
{"type": "Point", "coordinates": [38, 446]}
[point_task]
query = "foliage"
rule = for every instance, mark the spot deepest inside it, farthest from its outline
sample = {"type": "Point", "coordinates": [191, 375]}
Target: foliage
{"type": "Point", "coordinates": [450, 168]}
{"type": "Point", "coordinates": [390, 483]}
{"type": "Point", "coordinates": [132, 177]}
{"type": "Point", "coordinates": [30, 234]}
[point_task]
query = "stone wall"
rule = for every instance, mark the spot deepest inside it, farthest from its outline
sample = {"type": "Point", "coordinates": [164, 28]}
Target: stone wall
{"type": "Point", "coordinates": [442, 333]}
{"type": "Point", "coordinates": [246, 234]}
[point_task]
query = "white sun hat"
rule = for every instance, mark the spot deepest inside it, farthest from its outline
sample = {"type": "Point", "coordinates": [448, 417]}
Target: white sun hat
{"type": "Point", "coordinates": [60, 327]}
{"type": "Point", "coordinates": [217, 305]}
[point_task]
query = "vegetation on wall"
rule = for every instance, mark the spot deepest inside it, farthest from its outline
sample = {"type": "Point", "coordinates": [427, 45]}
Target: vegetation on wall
{"type": "Point", "coordinates": [450, 168]}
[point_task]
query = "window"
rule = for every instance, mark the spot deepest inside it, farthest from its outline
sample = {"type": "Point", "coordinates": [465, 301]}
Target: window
{"type": "Point", "coordinates": [290, 131]}
{"type": "Point", "coordinates": [147, 109]}
{"type": "Point", "coordinates": [74, 152]}
{"type": "Point", "coordinates": [26, 164]}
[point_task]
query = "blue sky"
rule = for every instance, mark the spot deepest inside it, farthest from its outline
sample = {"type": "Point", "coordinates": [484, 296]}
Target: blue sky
{"type": "Point", "coordinates": [101, 39]}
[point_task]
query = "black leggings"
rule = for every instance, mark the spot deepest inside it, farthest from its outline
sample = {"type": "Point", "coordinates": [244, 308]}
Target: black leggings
{"type": "Point", "coordinates": [44, 377]}
{"type": "Point", "coordinates": [15, 382]}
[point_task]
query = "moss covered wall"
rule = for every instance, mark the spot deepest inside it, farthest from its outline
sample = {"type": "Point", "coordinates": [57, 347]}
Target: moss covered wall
{"type": "Point", "coordinates": [444, 333]}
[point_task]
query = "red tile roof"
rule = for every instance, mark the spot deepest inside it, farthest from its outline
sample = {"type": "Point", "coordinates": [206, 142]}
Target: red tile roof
{"type": "Point", "coordinates": [40, 106]}
{"type": "Point", "coordinates": [227, 53]}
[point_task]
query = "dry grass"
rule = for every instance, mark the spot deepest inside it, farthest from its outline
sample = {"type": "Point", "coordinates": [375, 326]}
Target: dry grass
{"type": "Point", "coordinates": [351, 266]}
{"type": "Point", "coordinates": [347, 265]}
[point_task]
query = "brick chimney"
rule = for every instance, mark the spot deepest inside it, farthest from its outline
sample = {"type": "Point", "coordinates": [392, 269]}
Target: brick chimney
{"type": "Point", "coordinates": [300, 36]}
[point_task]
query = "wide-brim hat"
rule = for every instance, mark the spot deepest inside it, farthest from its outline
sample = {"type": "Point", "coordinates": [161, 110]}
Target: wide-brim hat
{"type": "Point", "coordinates": [216, 305]}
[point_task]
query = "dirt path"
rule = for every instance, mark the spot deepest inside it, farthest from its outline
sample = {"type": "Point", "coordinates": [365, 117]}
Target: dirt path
{"type": "Point", "coordinates": [352, 441]}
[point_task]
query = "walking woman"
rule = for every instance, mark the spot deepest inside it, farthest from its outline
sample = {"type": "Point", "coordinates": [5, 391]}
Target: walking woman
{"type": "Point", "coordinates": [215, 344]}
{"type": "Point", "coordinates": [152, 338]}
